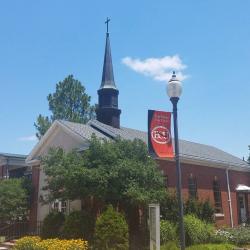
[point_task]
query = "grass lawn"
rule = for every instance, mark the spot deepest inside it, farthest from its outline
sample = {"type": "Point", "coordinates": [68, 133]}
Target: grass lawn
{"type": "Point", "coordinates": [172, 246]}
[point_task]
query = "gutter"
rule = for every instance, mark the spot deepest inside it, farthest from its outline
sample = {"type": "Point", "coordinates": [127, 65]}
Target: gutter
{"type": "Point", "coordinates": [229, 199]}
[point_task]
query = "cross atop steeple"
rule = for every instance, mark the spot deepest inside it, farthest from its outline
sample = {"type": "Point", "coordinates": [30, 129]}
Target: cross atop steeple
{"type": "Point", "coordinates": [107, 22]}
{"type": "Point", "coordinates": [107, 73]}
{"type": "Point", "coordinates": [108, 111]}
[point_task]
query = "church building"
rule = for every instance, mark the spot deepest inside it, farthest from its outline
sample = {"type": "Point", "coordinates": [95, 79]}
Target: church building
{"type": "Point", "coordinates": [207, 172]}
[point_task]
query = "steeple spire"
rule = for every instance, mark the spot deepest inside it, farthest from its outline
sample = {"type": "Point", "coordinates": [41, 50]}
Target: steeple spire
{"type": "Point", "coordinates": [108, 111]}
{"type": "Point", "coordinates": [107, 72]}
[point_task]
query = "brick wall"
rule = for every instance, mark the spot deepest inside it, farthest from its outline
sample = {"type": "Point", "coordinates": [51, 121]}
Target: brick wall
{"type": "Point", "coordinates": [34, 197]}
{"type": "Point", "coordinates": [204, 176]}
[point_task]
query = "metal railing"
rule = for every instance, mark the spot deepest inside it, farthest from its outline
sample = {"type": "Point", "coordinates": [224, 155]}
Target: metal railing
{"type": "Point", "coordinates": [18, 229]}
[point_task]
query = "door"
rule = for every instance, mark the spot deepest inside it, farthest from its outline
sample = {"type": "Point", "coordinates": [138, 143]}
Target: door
{"type": "Point", "coordinates": [242, 207]}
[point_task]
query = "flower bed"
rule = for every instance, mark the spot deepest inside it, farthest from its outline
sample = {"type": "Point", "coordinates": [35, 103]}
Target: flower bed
{"type": "Point", "coordinates": [35, 243]}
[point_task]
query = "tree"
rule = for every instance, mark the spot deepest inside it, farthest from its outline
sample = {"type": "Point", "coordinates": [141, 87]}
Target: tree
{"type": "Point", "coordinates": [13, 200]}
{"type": "Point", "coordinates": [69, 102]}
{"type": "Point", "coordinates": [116, 172]}
{"type": "Point", "coordinates": [111, 231]}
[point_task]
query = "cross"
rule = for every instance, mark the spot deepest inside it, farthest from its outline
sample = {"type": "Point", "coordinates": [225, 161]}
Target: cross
{"type": "Point", "coordinates": [107, 22]}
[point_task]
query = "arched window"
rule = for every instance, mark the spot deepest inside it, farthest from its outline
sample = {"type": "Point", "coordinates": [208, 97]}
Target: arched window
{"type": "Point", "coordinates": [217, 196]}
{"type": "Point", "coordinates": [165, 178]}
{"type": "Point", "coordinates": [192, 187]}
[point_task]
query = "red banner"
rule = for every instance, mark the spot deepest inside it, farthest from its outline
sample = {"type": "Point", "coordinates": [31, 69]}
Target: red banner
{"type": "Point", "coordinates": [159, 134]}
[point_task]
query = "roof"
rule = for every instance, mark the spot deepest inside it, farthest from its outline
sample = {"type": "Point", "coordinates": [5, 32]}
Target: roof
{"type": "Point", "coordinates": [242, 188]}
{"type": "Point", "coordinates": [12, 155]}
{"type": "Point", "coordinates": [188, 150]}
{"type": "Point", "coordinates": [107, 73]}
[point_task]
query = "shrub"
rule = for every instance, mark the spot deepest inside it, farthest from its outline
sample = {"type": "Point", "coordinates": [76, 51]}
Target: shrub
{"type": "Point", "coordinates": [197, 231]}
{"type": "Point", "coordinates": [193, 206]}
{"type": "Point", "coordinates": [221, 236]}
{"type": "Point", "coordinates": [111, 231]}
{"type": "Point", "coordinates": [169, 246]}
{"type": "Point", "coordinates": [52, 225]}
{"type": "Point", "coordinates": [239, 236]}
{"type": "Point", "coordinates": [27, 243]}
{"type": "Point", "coordinates": [202, 210]}
{"type": "Point", "coordinates": [169, 208]}
{"type": "Point", "coordinates": [168, 231]}
{"type": "Point", "coordinates": [35, 243]}
{"type": "Point", "coordinates": [207, 212]}
{"type": "Point", "coordinates": [79, 224]}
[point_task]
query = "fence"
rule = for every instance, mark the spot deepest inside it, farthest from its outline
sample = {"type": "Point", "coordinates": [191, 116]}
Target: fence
{"type": "Point", "coordinates": [19, 229]}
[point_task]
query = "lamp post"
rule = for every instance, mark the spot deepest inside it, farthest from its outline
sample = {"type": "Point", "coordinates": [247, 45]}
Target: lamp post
{"type": "Point", "coordinates": [174, 89]}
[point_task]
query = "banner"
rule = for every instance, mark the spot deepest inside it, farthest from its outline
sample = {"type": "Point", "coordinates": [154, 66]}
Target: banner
{"type": "Point", "coordinates": [159, 134]}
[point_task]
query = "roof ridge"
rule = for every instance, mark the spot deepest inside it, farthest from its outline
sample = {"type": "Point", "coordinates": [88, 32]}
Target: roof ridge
{"type": "Point", "coordinates": [101, 128]}
{"type": "Point", "coordinates": [63, 123]}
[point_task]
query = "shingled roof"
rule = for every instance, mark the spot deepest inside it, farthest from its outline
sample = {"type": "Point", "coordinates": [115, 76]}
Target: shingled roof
{"type": "Point", "coordinates": [188, 150]}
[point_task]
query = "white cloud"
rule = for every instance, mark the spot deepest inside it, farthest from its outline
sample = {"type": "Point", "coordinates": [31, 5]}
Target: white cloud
{"type": "Point", "coordinates": [159, 69]}
{"type": "Point", "coordinates": [28, 138]}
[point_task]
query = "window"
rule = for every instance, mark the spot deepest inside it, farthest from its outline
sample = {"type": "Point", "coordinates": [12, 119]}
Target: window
{"type": "Point", "coordinates": [165, 178]}
{"type": "Point", "coordinates": [192, 187]}
{"type": "Point", "coordinates": [64, 206]}
{"type": "Point", "coordinates": [59, 206]}
{"type": "Point", "coordinates": [217, 196]}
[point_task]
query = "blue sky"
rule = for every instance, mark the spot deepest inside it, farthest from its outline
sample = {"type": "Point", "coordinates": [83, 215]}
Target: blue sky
{"type": "Point", "coordinates": [41, 42]}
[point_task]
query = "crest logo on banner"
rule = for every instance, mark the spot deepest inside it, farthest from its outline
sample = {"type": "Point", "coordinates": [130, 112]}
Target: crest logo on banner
{"type": "Point", "coordinates": [159, 134]}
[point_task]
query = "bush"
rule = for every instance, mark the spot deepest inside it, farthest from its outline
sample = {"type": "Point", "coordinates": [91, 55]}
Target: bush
{"type": "Point", "coordinates": [111, 231]}
{"type": "Point", "coordinates": [27, 243]}
{"type": "Point", "coordinates": [212, 247]}
{"type": "Point", "coordinates": [221, 236]}
{"type": "Point", "coordinates": [202, 210]}
{"type": "Point", "coordinates": [239, 236]}
{"type": "Point", "coordinates": [35, 243]}
{"type": "Point", "coordinates": [79, 224]}
{"type": "Point", "coordinates": [193, 206]}
{"type": "Point", "coordinates": [197, 231]}
{"type": "Point", "coordinates": [207, 212]}
{"type": "Point", "coordinates": [52, 225]}
{"type": "Point", "coordinates": [168, 231]}
{"type": "Point", "coordinates": [169, 208]}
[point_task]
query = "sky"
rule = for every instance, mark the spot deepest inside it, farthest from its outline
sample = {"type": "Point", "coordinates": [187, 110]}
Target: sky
{"type": "Point", "coordinates": [206, 42]}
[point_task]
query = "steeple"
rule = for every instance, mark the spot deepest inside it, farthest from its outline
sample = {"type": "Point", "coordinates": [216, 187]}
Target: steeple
{"type": "Point", "coordinates": [108, 111]}
{"type": "Point", "coordinates": [107, 72]}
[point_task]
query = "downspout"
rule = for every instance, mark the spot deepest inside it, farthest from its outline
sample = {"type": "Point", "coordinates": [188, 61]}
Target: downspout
{"type": "Point", "coordinates": [229, 199]}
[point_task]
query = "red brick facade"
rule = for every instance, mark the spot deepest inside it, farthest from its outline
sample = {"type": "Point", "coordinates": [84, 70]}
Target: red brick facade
{"type": "Point", "coordinates": [34, 198]}
{"type": "Point", "coordinates": [204, 178]}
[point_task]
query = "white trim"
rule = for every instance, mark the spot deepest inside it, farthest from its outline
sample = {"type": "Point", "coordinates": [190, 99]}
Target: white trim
{"type": "Point", "coordinates": [48, 136]}
{"type": "Point", "coordinates": [42, 141]}
{"type": "Point", "coordinates": [219, 215]}
{"type": "Point", "coordinates": [34, 162]}
{"type": "Point", "coordinates": [229, 199]}
{"type": "Point", "coordinates": [242, 188]}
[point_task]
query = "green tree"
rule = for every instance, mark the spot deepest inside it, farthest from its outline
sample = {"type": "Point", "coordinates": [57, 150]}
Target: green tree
{"type": "Point", "coordinates": [116, 172]}
{"type": "Point", "coordinates": [13, 200]}
{"type": "Point", "coordinates": [69, 102]}
{"type": "Point", "coordinates": [111, 231]}
{"type": "Point", "coordinates": [119, 172]}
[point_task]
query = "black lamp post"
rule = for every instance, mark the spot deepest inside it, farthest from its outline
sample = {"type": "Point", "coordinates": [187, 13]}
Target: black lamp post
{"type": "Point", "coordinates": [174, 89]}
